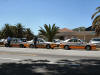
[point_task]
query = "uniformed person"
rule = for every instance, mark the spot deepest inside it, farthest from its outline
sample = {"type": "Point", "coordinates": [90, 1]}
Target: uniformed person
{"type": "Point", "coordinates": [35, 41]}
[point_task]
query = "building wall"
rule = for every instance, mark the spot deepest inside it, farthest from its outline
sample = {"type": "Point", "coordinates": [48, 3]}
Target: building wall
{"type": "Point", "coordinates": [85, 35]}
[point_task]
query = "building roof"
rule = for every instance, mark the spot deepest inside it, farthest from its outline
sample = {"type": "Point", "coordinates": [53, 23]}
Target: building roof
{"type": "Point", "coordinates": [65, 30]}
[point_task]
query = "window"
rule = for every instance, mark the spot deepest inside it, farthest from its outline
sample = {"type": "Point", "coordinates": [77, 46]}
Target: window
{"type": "Point", "coordinates": [71, 40]}
{"type": "Point", "coordinates": [96, 39]}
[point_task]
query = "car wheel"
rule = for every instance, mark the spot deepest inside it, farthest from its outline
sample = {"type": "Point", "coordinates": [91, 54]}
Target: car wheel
{"type": "Point", "coordinates": [21, 46]}
{"type": "Point", "coordinates": [88, 47]}
{"type": "Point", "coordinates": [6, 45]}
{"type": "Point", "coordinates": [48, 46]}
{"type": "Point", "coordinates": [66, 47]}
{"type": "Point", "coordinates": [31, 46]}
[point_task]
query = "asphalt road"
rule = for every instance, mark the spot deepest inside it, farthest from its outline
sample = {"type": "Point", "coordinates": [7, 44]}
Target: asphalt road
{"type": "Point", "coordinates": [17, 55]}
{"type": "Point", "coordinates": [27, 61]}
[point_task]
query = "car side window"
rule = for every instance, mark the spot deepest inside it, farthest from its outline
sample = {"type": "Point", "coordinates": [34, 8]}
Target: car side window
{"type": "Point", "coordinates": [78, 40]}
{"type": "Point", "coordinates": [71, 40]}
{"type": "Point", "coordinates": [41, 40]}
{"type": "Point", "coordinates": [75, 40]}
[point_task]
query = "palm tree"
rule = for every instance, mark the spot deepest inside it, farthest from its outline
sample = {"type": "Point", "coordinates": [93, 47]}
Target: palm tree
{"type": "Point", "coordinates": [49, 31]}
{"type": "Point", "coordinates": [96, 21]}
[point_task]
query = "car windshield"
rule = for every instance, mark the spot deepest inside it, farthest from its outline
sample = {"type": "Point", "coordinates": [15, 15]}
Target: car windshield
{"type": "Point", "coordinates": [74, 40]}
{"type": "Point", "coordinates": [41, 40]}
{"type": "Point", "coordinates": [96, 39]}
{"type": "Point", "coordinates": [23, 40]}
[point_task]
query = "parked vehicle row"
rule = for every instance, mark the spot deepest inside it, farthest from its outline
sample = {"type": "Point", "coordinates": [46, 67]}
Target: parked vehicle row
{"type": "Point", "coordinates": [17, 42]}
{"type": "Point", "coordinates": [68, 44]}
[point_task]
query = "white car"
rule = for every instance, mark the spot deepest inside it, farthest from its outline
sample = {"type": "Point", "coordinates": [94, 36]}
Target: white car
{"type": "Point", "coordinates": [95, 41]}
{"type": "Point", "coordinates": [2, 41]}
{"type": "Point", "coordinates": [41, 43]}
{"type": "Point", "coordinates": [75, 43]}
{"type": "Point", "coordinates": [65, 40]}
{"type": "Point", "coordinates": [72, 40]}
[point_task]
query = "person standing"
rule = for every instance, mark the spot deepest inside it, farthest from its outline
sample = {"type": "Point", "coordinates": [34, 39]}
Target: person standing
{"type": "Point", "coordinates": [35, 41]}
{"type": "Point", "coordinates": [8, 41]}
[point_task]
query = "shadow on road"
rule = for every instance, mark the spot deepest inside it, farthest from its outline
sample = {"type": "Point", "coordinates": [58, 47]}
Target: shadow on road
{"type": "Point", "coordinates": [43, 67]}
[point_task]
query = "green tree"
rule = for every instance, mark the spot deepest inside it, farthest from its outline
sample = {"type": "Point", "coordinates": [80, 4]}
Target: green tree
{"type": "Point", "coordinates": [49, 31]}
{"type": "Point", "coordinates": [20, 30]}
{"type": "Point", "coordinates": [13, 30]}
{"type": "Point", "coordinates": [16, 31]}
{"type": "Point", "coordinates": [6, 31]}
{"type": "Point", "coordinates": [96, 21]}
{"type": "Point", "coordinates": [79, 29]}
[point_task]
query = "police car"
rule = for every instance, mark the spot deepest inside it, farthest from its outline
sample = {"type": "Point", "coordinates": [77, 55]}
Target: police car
{"type": "Point", "coordinates": [75, 43]}
{"type": "Point", "coordinates": [41, 43]}
{"type": "Point", "coordinates": [17, 42]}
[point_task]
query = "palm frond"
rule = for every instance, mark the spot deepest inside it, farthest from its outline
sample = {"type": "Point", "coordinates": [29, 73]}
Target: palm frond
{"type": "Point", "coordinates": [49, 26]}
{"type": "Point", "coordinates": [46, 28]}
{"type": "Point", "coordinates": [49, 31]}
{"type": "Point", "coordinates": [97, 8]}
{"type": "Point", "coordinates": [95, 21]}
{"type": "Point", "coordinates": [95, 14]}
{"type": "Point", "coordinates": [42, 31]}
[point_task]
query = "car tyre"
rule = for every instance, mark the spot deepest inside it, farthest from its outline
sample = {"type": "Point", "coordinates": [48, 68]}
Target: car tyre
{"type": "Point", "coordinates": [88, 47]}
{"type": "Point", "coordinates": [6, 45]}
{"type": "Point", "coordinates": [48, 46]}
{"type": "Point", "coordinates": [66, 47]}
{"type": "Point", "coordinates": [22, 46]}
{"type": "Point", "coordinates": [31, 46]}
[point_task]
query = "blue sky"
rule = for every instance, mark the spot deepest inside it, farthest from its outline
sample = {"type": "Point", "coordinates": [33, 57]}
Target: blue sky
{"type": "Point", "coordinates": [34, 13]}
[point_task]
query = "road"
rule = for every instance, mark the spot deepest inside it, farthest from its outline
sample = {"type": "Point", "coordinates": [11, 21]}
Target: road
{"type": "Point", "coordinates": [52, 55]}
{"type": "Point", "coordinates": [27, 61]}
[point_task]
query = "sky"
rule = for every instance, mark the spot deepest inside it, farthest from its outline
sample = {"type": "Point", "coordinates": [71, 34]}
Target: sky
{"type": "Point", "coordinates": [34, 14]}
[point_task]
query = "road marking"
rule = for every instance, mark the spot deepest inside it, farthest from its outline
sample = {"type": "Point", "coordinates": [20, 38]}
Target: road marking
{"type": "Point", "coordinates": [10, 59]}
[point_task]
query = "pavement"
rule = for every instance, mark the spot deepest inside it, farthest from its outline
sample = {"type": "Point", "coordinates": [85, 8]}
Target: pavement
{"type": "Point", "coordinates": [31, 61]}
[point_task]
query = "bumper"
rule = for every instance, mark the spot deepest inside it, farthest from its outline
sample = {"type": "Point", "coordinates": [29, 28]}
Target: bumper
{"type": "Point", "coordinates": [54, 45]}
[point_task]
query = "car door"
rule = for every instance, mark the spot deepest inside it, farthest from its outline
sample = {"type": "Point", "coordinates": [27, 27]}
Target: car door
{"type": "Point", "coordinates": [74, 43]}
{"type": "Point", "coordinates": [71, 42]}
{"type": "Point", "coordinates": [14, 43]}
{"type": "Point", "coordinates": [41, 43]}
{"type": "Point", "coordinates": [78, 43]}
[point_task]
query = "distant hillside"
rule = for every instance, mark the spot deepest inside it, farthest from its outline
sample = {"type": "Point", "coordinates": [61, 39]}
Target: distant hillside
{"type": "Point", "coordinates": [79, 29]}
{"type": "Point", "coordinates": [89, 29]}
